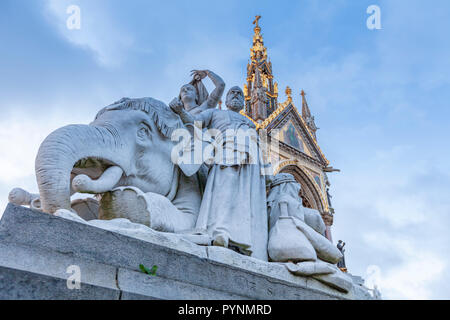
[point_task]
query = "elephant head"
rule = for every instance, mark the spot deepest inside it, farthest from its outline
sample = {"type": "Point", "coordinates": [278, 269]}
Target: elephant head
{"type": "Point", "coordinates": [130, 142]}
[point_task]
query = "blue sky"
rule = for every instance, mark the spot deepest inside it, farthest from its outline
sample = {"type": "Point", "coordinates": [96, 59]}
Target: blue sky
{"type": "Point", "coordinates": [380, 97]}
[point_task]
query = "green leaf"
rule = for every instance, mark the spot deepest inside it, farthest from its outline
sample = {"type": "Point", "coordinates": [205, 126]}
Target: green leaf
{"type": "Point", "coordinates": [153, 271]}
{"type": "Point", "coordinates": [146, 270]}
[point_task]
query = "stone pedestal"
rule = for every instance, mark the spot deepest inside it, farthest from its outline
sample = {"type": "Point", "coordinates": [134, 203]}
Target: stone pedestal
{"type": "Point", "coordinates": [36, 250]}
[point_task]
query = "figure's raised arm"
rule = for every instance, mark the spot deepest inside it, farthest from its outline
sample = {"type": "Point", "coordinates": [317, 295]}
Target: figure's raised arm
{"type": "Point", "coordinates": [217, 93]}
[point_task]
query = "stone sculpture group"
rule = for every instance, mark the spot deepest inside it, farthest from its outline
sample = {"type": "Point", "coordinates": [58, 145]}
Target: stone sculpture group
{"type": "Point", "coordinates": [130, 159]}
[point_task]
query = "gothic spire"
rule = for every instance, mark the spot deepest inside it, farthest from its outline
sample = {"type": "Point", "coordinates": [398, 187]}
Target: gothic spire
{"type": "Point", "coordinates": [306, 115]}
{"type": "Point", "coordinates": [258, 50]}
{"type": "Point", "coordinates": [259, 69]}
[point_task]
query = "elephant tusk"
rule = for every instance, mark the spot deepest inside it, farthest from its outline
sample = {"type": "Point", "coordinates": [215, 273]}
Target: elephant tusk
{"type": "Point", "coordinates": [106, 182]}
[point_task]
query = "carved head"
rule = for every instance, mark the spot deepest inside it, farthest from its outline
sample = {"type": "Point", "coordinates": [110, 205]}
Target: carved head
{"type": "Point", "coordinates": [188, 94]}
{"type": "Point", "coordinates": [283, 184]}
{"type": "Point", "coordinates": [235, 99]}
{"type": "Point", "coordinates": [144, 126]}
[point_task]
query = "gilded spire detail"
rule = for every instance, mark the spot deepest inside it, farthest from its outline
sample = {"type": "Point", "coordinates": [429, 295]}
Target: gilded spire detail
{"type": "Point", "coordinates": [258, 50]}
{"type": "Point", "coordinates": [261, 92]}
{"type": "Point", "coordinates": [288, 92]}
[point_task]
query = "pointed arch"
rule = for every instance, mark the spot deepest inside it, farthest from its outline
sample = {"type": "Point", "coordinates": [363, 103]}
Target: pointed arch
{"type": "Point", "coordinates": [310, 195]}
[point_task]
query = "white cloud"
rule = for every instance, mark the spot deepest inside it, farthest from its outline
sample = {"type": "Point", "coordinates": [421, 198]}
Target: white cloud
{"type": "Point", "coordinates": [223, 57]}
{"type": "Point", "coordinates": [400, 217]}
{"type": "Point", "coordinates": [413, 277]}
{"type": "Point", "coordinates": [402, 210]}
{"type": "Point", "coordinates": [100, 33]}
{"type": "Point", "coordinates": [19, 141]}
{"type": "Point", "coordinates": [20, 138]}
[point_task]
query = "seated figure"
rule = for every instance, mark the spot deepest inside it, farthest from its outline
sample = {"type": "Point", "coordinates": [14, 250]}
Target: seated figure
{"type": "Point", "coordinates": [296, 236]}
{"type": "Point", "coordinates": [295, 233]}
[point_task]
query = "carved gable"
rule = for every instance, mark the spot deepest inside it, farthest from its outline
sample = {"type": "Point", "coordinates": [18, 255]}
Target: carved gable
{"type": "Point", "coordinates": [292, 136]}
{"type": "Point", "coordinates": [293, 133]}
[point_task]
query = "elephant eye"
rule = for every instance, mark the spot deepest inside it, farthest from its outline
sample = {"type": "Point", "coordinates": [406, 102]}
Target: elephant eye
{"type": "Point", "coordinates": [144, 131]}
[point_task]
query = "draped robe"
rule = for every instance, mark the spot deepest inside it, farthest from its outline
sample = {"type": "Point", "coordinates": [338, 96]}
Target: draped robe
{"type": "Point", "coordinates": [234, 199]}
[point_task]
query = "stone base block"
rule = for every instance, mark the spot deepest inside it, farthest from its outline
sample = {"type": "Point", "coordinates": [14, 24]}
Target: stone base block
{"type": "Point", "coordinates": [37, 251]}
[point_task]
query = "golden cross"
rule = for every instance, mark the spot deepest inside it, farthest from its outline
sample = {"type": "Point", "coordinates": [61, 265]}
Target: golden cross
{"type": "Point", "coordinates": [256, 20]}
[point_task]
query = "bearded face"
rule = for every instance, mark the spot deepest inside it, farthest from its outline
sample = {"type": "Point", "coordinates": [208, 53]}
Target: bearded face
{"type": "Point", "coordinates": [235, 99]}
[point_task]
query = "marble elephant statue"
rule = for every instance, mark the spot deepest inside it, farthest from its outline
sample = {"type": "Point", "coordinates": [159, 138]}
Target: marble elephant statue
{"type": "Point", "coordinates": [124, 155]}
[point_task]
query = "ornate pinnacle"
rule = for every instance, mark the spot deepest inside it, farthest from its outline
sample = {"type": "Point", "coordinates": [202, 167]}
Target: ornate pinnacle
{"type": "Point", "coordinates": [258, 51]}
{"type": "Point", "coordinates": [288, 92]}
{"type": "Point", "coordinates": [257, 27]}
{"type": "Point", "coordinates": [306, 113]}
{"type": "Point", "coordinates": [260, 92]}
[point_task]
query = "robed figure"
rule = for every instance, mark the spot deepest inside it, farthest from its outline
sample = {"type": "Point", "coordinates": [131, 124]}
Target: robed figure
{"type": "Point", "coordinates": [233, 211]}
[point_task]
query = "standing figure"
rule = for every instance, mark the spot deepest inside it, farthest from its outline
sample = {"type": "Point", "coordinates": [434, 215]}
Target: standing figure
{"type": "Point", "coordinates": [341, 263]}
{"type": "Point", "coordinates": [233, 210]}
{"type": "Point", "coordinates": [195, 98]}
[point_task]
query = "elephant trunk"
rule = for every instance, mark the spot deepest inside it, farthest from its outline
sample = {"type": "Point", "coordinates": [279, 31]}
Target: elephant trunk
{"type": "Point", "coordinates": [62, 149]}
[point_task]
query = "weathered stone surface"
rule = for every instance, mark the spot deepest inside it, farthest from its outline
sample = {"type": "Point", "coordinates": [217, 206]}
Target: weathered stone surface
{"type": "Point", "coordinates": [356, 279]}
{"type": "Point", "coordinates": [361, 293]}
{"type": "Point", "coordinates": [43, 230]}
{"type": "Point", "coordinates": [56, 264]}
{"type": "Point", "coordinates": [275, 270]}
{"type": "Point", "coordinates": [18, 284]}
{"type": "Point", "coordinates": [156, 287]}
{"type": "Point", "coordinates": [39, 247]}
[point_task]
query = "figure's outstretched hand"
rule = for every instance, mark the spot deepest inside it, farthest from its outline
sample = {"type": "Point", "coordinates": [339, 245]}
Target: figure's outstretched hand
{"type": "Point", "coordinates": [199, 74]}
{"type": "Point", "coordinates": [176, 105]}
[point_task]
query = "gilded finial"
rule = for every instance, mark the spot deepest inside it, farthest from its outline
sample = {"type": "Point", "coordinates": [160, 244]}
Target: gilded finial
{"type": "Point", "coordinates": [303, 94]}
{"type": "Point", "coordinates": [288, 92]}
{"type": "Point", "coordinates": [256, 21]}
